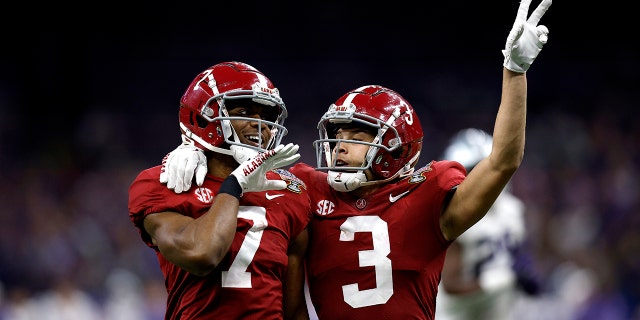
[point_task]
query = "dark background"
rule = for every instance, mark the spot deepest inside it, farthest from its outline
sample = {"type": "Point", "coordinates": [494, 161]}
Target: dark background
{"type": "Point", "coordinates": [135, 61]}
{"type": "Point", "coordinates": [89, 97]}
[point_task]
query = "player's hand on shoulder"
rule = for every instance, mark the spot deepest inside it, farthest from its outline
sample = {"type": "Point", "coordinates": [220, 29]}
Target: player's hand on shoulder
{"type": "Point", "coordinates": [181, 165]}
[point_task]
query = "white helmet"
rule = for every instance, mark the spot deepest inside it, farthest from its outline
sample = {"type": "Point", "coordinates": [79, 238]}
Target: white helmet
{"type": "Point", "coordinates": [468, 147]}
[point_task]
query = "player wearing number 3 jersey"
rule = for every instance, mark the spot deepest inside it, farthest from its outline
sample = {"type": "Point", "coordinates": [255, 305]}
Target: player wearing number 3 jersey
{"type": "Point", "coordinates": [380, 228]}
{"type": "Point", "coordinates": [370, 257]}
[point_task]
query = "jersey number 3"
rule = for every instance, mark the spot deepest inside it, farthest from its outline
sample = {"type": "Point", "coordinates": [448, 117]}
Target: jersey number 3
{"type": "Point", "coordinates": [376, 258]}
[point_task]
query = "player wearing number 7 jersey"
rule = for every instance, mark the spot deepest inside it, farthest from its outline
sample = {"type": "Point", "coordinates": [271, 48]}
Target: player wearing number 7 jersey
{"type": "Point", "coordinates": [380, 230]}
{"type": "Point", "coordinates": [232, 247]}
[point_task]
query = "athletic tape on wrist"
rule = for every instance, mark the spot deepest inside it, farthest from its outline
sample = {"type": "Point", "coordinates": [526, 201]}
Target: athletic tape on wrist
{"type": "Point", "coordinates": [231, 186]}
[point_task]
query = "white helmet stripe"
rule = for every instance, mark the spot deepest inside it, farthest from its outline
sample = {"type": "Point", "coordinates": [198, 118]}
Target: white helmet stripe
{"type": "Point", "coordinates": [349, 98]}
{"type": "Point", "coordinates": [263, 80]}
{"type": "Point", "coordinates": [213, 84]}
{"type": "Point", "coordinates": [353, 95]}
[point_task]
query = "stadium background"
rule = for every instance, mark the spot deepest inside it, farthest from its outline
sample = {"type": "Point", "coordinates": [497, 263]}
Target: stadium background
{"type": "Point", "coordinates": [89, 99]}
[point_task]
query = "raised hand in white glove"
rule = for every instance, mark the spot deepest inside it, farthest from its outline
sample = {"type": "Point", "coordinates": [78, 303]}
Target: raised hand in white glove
{"type": "Point", "coordinates": [251, 174]}
{"type": "Point", "coordinates": [180, 165]}
{"type": "Point", "coordinates": [526, 37]}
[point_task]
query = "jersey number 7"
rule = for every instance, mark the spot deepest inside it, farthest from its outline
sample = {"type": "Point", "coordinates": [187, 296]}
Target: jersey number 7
{"type": "Point", "coordinates": [237, 275]}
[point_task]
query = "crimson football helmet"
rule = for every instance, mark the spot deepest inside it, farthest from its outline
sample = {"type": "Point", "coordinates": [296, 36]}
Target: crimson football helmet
{"type": "Point", "coordinates": [204, 118]}
{"type": "Point", "coordinates": [393, 152]}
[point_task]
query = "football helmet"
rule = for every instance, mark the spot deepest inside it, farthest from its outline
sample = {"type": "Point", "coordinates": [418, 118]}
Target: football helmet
{"type": "Point", "coordinates": [468, 147]}
{"type": "Point", "coordinates": [205, 120]}
{"type": "Point", "coordinates": [393, 152]}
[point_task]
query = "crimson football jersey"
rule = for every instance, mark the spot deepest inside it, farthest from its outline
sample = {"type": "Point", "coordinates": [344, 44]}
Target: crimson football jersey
{"type": "Point", "coordinates": [378, 257]}
{"type": "Point", "coordinates": [248, 282]}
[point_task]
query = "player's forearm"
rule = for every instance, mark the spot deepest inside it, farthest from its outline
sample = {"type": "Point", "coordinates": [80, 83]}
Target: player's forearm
{"type": "Point", "coordinates": [201, 245]}
{"type": "Point", "coordinates": [217, 229]}
{"type": "Point", "coordinates": [509, 130]}
{"type": "Point", "coordinates": [524, 42]}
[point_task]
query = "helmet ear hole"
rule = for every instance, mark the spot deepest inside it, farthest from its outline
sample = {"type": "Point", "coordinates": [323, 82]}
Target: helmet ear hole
{"type": "Point", "coordinates": [395, 154]}
{"type": "Point", "coordinates": [202, 122]}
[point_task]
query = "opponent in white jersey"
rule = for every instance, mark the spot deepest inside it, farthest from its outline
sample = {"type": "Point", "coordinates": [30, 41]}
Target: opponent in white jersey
{"type": "Point", "coordinates": [479, 278]}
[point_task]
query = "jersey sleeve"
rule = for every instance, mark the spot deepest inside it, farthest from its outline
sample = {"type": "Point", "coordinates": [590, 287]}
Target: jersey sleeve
{"type": "Point", "coordinates": [317, 180]}
{"type": "Point", "coordinates": [300, 206]}
{"type": "Point", "coordinates": [443, 177]}
{"type": "Point", "coordinates": [146, 196]}
{"type": "Point", "coordinates": [450, 174]}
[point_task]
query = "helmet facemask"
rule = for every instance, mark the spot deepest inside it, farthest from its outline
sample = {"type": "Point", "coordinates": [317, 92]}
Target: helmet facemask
{"type": "Point", "coordinates": [348, 178]}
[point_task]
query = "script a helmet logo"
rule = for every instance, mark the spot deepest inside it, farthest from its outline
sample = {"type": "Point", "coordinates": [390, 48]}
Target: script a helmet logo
{"type": "Point", "coordinates": [206, 77]}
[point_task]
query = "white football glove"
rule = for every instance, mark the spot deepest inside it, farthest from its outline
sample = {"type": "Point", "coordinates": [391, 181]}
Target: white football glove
{"type": "Point", "coordinates": [180, 165]}
{"type": "Point", "coordinates": [526, 37]}
{"type": "Point", "coordinates": [251, 174]}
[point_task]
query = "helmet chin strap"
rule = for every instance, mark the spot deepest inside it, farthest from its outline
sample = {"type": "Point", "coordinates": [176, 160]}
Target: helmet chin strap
{"type": "Point", "coordinates": [239, 153]}
{"type": "Point", "coordinates": [345, 181]}
{"type": "Point", "coordinates": [349, 181]}
{"type": "Point", "coordinates": [242, 154]}
{"type": "Point", "coordinates": [200, 143]}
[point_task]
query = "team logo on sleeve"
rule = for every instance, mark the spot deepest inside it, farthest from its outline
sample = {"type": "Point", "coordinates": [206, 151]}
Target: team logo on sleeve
{"type": "Point", "coordinates": [286, 175]}
{"type": "Point", "coordinates": [294, 186]}
{"type": "Point", "coordinates": [418, 176]}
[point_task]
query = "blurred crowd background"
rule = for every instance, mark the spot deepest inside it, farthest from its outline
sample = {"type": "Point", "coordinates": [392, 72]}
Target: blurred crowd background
{"type": "Point", "coordinates": [89, 100]}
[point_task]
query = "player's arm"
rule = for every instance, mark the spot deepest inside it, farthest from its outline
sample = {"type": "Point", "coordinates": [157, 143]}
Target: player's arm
{"type": "Point", "coordinates": [476, 194]}
{"type": "Point", "coordinates": [294, 304]}
{"type": "Point", "coordinates": [196, 245]}
{"type": "Point", "coordinates": [453, 281]}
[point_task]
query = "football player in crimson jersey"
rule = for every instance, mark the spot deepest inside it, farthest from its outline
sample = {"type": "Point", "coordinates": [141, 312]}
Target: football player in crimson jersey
{"type": "Point", "coordinates": [380, 229]}
{"type": "Point", "coordinates": [233, 247]}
